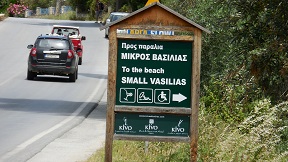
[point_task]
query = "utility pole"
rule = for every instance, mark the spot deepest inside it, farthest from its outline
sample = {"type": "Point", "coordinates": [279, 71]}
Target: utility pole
{"type": "Point", "coordinates": [57, 8]}
{"type": "Point", "coordinates": [117, 5]}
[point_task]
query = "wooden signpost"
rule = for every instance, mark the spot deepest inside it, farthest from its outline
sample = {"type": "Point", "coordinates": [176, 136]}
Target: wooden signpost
{"type": "Point", "coordinates": [153, 78]}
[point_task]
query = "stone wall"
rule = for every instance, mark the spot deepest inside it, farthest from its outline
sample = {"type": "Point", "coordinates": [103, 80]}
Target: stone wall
{"type": "Point", "coordinates": [47, 11]}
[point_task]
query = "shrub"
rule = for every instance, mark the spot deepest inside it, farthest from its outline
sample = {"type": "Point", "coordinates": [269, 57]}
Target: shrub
{"type": "Point", "coordinates": [256, 138]}
{"type": "Point", "coordinates": [16, 10]}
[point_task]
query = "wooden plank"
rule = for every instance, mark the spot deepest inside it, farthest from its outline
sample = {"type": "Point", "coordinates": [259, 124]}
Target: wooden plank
{"type": "Point", "coordinates": [111, 89]}
{"type": "Point", "coordinates": [155, 27]}
{"type": "Point", "coordinates": [159, 15]}
{"type": "Point", "coordinates": [156, 37]}
{"type": "Point", "coordinates": [151, 138]}
{"type": "Point", "coordinates": [195, 94]}
{"type": "Point", "coordinates": [146, 109]}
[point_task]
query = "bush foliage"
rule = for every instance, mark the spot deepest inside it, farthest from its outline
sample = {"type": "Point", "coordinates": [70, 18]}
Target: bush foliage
{"type": "Point", "coordinates": [244, 84]}
{"type": "Point", "coordinates": [16, 10]}
{"type": "Point", "coordinates": [244, 60]}
{"type": "Point", "coordinates": [255, 139]}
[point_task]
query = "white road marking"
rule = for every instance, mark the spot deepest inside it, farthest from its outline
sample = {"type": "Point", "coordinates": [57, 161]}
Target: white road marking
{"type": "Point", "coordinates": [7, 80]}
{"type": "Point", "coordinates": [42, 134]}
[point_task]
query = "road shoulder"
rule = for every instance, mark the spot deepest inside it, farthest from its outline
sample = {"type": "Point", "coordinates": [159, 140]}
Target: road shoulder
{"type": "Point", "coordinates": [79, 143]}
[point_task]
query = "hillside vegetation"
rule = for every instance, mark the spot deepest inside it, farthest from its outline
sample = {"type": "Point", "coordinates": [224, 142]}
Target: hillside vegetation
{"type": "Point", "coordinates": [244, 85]}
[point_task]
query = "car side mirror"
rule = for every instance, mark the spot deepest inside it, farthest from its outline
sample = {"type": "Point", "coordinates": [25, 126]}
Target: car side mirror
{"type": "Point", "coordinates": [83, 38]}
{"type": "Point", "coordinates": [30, 46]}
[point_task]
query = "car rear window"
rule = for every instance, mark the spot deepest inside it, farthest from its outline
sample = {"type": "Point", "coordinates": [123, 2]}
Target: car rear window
{"type": "Point", "coordinates": [52, 43]}
{"type": "Point", "coordinates": [65, 31]}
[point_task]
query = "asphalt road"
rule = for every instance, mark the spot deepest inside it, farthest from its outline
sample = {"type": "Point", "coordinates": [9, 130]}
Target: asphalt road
{"type": "Point", "coordinates": [34, 113]}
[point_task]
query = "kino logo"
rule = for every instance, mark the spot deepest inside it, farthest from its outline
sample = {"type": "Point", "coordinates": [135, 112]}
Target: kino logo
{"type": "Point", "coordinates": [177, 128]}
{"type": "Point", "coordinates": [125, 126]}
{"type": "Point", "coordinates": [151, 126]}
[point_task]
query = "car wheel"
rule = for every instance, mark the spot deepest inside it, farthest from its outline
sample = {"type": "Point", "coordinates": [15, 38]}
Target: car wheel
{"type": "Point", "coordinates": [72, 77]}
{"type": "Point", "coordinates": [77, 73]}
{"type": "Point", "coordinates": [80, 61]}
{"type": "Point", "coordinates": [30, 75]}
{"type": "Point", "coordinates": [106, 35]}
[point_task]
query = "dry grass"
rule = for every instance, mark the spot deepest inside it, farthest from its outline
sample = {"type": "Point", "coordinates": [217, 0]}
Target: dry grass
{"type": "Point", "coordinates": [255, 139]}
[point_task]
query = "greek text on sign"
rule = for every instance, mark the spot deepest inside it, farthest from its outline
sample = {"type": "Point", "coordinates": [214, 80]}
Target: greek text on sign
{"type": "Point", "coordinates": [155, 57]}
{"type": "Point", "coordinates": [154, 73]}
{"type": "Point", "coordinates": [144, 32]}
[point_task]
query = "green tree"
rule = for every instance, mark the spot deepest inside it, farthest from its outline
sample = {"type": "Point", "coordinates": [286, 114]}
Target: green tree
{"type": "Point", "coordinates": [3, 5]}
{"type": "Point", "coordinates": [81, 5]}
{"type": "Point", "coordinates": [135, 4]}
{"type": "Point", "coordinates": [249, 38]}
{"type": "Point", "coordinates": [32, 4]}
{"type": "Point", "coordinates": [264, 26]}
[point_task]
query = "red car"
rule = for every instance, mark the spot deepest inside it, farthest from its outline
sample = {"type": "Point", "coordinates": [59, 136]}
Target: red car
{"type": "Point", "coordinates": [74, 34]}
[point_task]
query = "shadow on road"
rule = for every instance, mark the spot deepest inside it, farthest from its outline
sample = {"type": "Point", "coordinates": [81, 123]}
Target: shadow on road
{"type": "Point", "coordinates": [89, 24]}
{"type": "Point", "coordinates": [48, 106]}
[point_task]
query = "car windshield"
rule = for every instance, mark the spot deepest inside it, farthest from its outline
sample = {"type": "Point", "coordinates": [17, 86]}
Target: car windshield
{"type": "Point", "coordinates": [116, 17]}
{"type": "Point", "coordinates": [52, 43]}
{"type": "Point", "coordinates": [66, 31]}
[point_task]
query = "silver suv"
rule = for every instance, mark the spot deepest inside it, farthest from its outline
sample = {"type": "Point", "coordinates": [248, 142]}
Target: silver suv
{"type": "Point", "coordinates": [112, 17]}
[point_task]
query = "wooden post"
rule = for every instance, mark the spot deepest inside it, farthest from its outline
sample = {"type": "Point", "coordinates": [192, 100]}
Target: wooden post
{"type": "Point", "coordinates": [110, 117]}
{"type": "Point", "coordinates": [195, 94]}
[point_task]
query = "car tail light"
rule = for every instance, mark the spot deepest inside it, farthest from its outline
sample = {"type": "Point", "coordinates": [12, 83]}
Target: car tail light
{"type": "Point", "coordinates": [33, 52]}
{"type": "Point", "coordinates": [79, 44]}
{"type": "Point", "coordinates": [70, 54]}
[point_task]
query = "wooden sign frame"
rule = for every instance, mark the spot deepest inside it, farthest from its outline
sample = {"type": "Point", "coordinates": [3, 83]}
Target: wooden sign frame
{"type": "Point", "coordinates": [166, 20]}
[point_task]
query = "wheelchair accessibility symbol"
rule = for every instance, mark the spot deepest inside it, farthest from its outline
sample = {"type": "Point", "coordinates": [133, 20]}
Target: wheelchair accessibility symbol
{"type": "Point", "coordinates": [162, 96]}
